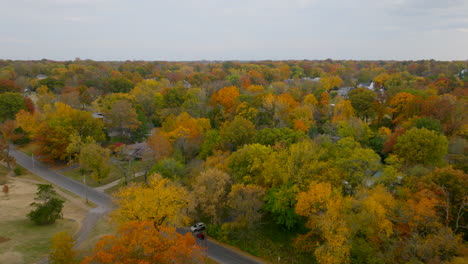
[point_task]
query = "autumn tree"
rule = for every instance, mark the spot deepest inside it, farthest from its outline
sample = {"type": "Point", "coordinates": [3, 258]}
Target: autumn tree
{"type": "Point", "coordinates": [421, 146]}
{"type": "Point", "coordinates": [245, 203]}
{"type": "Point", "coordinates": [8, 135]}
{"type": "Point", "coordinates": [95, 159]}
{"type": "Point", "coordinates": [401, 106]}
{"type": "Point", "coordinates": [342, 111]}
{"type": "Point", "coordinates": [161, 147]}
{"type": "Point", "coordinates": [247, 163]}
{"type": "Point", "coordinates": [162, 202]}
{"type": "Point", "coordinates": [62, 251]}
{"type": "Point", "coordinates": [324, 209]}
{"type": "Point", "coordinates": [330, 82]}
{"type": "Point", "coordinates": [140, 242]}
{"type": "Point", "coordinates": [57, 126]}
{"type": "Point", "coordinates": [452, 187]}
{"type": "Point", "coordinates": [226, 97]}
{"type": "Point", "coordinates": [210, 189]}
{"type": "Point", "coordinates": [122, 117]}
{"type": "Point", "coordinates": [185, 132]}
{"type": "Point", "coordinates": [9, 86]}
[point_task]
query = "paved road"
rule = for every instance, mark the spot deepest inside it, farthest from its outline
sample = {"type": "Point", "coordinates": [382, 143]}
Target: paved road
{"type": "Point", "coordinates": [216, 251]}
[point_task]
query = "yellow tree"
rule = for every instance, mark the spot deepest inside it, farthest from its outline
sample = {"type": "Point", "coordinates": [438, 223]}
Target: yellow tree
{"type": "Point", "coordinates": [342, 111]}
{"type": "Point", "coordinates": [62, 249]}
{"type": "Point", "coordinates": [330, 82]}
{"type": "Point", "coordinates": [324, 209]}
{"type": "Point", "coordinates": [162, 202]}
{"type": "Point", "coordinates": [400, 105]}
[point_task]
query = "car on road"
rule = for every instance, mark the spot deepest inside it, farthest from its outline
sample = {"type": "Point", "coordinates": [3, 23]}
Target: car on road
{"type": "Point", "coordinates": [197, 227]}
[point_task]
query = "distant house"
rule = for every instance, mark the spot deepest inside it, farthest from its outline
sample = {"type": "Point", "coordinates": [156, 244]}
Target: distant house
{"type": "Point", "coordinates": [316, 79]}
{"type": "Point", "coordinates": [98, 115]}
{"type": "Point", "coordinates": [463, 73]}
{"type": "Point", "coordinates": [344, 91]}
{"type": "Point", "coordinates": [137, 150]}
{"type": "Point", "coordinates": [41, 76]}
{"type": "Point", "coordinates": [187, 84]}
{"type": "Point", "coordinates": [370, 86]}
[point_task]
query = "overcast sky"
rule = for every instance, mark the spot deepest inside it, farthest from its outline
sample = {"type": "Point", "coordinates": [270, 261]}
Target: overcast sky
{"type": "Point", "coordinates": [234, 29]}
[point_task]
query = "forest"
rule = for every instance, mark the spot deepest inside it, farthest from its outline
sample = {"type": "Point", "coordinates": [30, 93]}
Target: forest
{"type": "Point", "coordinates": [314, 161]}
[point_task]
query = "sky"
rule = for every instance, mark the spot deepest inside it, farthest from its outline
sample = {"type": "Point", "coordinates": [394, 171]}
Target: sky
{"type": "Point", "coordinates": [181, 30]}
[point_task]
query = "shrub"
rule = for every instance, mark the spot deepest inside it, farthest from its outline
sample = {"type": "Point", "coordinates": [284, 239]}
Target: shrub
{"type": "Point", "coordinates": [18, 171]}
{"type": "Point", "coordinates": [49, 207]}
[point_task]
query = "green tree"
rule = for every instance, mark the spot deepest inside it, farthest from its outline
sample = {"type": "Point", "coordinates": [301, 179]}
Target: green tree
{"type": "Point", "coordinates": [212, 142]}
{"type": "Point", "coordinates": [238, 132]}
{"type": "Point", "coordinates": [247, 163]}
{"type": "Point", "coordinates": [120, 85]}
{"type": "Point", "coordinates": [95, 159]}
{"type": "Point", "coordinates": [280, 202]}
{"type": "Point", "coordinates": [272, 136]}
{"type": "Point", "coordinates": [62, 251]}
{"type": "Point", "coordinates": [362, 100]}
{"type": "Point", "coordinates": [169, 168]}
{"type": "Point", "coordinates": [428, 123]}
{"type": "Point", "coordinates": [10, 104]}
{"type": "Point", "coordinates": [48, 208]}
{"type": "Point", "coordinates": [421, 146]}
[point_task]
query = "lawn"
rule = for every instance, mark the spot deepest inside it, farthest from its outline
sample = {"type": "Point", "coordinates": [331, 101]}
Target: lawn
{"type": "Point", "coordinates": [75, 174]}
{"type": "Point", "coordinates": [20, 240]}
{"type": "Point", "coordinates": [28, 242]}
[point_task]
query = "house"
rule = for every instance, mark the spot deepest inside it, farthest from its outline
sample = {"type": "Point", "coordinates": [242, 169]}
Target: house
{"type": "Point", "coordinates": [98, 115]}
{"type": "Point", "coordinates": [137, 150]}
{"type": "Point", "coordinates": [344, 91]}
{"type": "Point", "coordinates": [370, 86]}
{"type": "Point", "coordinates": [41, 76]}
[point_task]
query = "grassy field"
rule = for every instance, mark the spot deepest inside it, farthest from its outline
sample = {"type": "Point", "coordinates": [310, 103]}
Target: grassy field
{"type": "Point", "coordinates": [75, 174]}
{"type": "Point", "coordinates": [28, 242]}
{"type": "Point", "coordinates": [20, 240]}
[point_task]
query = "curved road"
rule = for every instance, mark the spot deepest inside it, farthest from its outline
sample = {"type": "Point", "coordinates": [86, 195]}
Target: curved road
{"type": "Point", "coordinates": [216, 251]}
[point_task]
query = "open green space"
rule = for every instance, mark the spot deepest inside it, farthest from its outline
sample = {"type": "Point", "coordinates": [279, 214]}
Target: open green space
{"type": "Point", "coordinates": [28, 241]}
{"type": "Point", "coordinates": [75, 174]}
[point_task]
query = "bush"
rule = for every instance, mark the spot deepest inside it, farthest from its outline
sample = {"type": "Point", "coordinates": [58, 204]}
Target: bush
{"type": "Point", "coordinates": [49, 209]}
{"type": "Point", "coordinates": [18, 171]}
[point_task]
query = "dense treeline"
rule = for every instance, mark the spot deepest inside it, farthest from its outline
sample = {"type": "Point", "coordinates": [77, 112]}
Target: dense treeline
{"type": "Point", "coordinates": [358, 161]}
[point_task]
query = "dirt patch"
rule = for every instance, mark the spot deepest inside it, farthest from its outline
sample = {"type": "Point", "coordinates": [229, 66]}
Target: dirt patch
{"type": "Point", "coordinates": [3, 239]}
{"type": "Point", "coordinates": [12, 258]}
